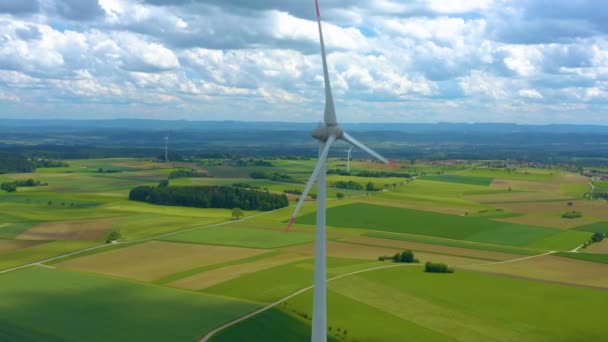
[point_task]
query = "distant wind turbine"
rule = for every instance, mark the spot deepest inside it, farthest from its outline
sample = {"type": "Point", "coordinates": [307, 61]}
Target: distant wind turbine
{"type": "Point", "coordinates": [167, 149]}
{"type": "Point", "coordinates": [327, 134]}
{"type": "Point", "coordinates": [348, 159]}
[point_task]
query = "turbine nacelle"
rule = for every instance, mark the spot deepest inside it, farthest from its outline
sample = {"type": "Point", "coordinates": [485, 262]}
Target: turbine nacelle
{"type": "Point", "coordinates": [324, 132]}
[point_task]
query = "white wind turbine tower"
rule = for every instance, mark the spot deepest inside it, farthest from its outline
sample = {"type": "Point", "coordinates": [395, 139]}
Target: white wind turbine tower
{"type": "Point", "coordinates": [348, 159]}
{"type": "Point", "coordinates": [167, 149]}
{"type": "Point", "coordinates": [327, 134]}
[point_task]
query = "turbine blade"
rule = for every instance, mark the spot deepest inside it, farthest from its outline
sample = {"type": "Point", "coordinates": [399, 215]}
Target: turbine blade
{"type": "Point", "coordinates": [348, 138]}
{"type": "Point", "coordinates": [311, 180]}
{"type": "Point", "coordinates": [330, 111]}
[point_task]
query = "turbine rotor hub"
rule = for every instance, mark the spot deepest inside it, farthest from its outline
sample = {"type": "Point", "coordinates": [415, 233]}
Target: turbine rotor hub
{"type": "Point", "coordinates": [323, 133]}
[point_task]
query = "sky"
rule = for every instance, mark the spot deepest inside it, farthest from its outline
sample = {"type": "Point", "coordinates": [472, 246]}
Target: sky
{"type": "Point", "coordinates": [525, 61]}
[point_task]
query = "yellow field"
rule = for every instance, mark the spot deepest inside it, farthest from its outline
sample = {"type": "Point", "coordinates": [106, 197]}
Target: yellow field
{"type": "Point", "coordinates": [206, 279]}
{"type": "Point", "coordinates": [552, 269]}
{"type": "Point", "coordinates": [153, 260]}
{"type": "Point", "coordinates": [68, 230]}
{"type": "Point", "coordinates": [423, 247]}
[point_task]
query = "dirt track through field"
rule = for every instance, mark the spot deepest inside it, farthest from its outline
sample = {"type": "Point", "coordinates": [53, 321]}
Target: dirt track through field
{"type": "Point", "coordinates": [214, 332]}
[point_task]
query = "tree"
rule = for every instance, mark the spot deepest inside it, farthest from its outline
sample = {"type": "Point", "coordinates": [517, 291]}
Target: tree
{"type": "Point", "coordinates": [408, 256]}
{"type": "Point", "coordinates": [237, 213]}
{"type": "Point", "coordinates": [9, 186]}
{"type": "Point", "coordinates": [370, 187]}
{"type": "Point", "coordinates": [570, 204]}
{"type": "Point", "coordinates": [113, 236]}
{"type": "Point", "coordinates": [339, 195]}
{"type": "Point", "coordinates": [597, 237]}
{"type": "Point", "coordinates": [396, 257]}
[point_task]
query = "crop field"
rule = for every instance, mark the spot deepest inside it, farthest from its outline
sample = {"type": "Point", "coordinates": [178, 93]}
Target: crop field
{"type": "Point", "coordinates": [49, 302]}
{"type": "Point", "coordinates": [601, 258]}
{"type": "Point", "coordinates": [68, 230]}
{"type": "Point", "coordinates": [243, 237]}
{"type": "Point", "coordinates": [176, 273]}
{"type": "Point", "coordinates": [434, 308]}
{"type": "Point", "coordinates": [473, 180]}
{"type": "Point", "coordinates": [553, 269]}
{"type": "Point", "coordinates": [408, 221]}
{"type": "Point", "coordinates": [153, 260]}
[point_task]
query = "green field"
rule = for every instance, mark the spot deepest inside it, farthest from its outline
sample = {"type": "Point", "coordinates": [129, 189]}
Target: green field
{"type": "Point", "coordinates": [405, 303]}
{"type": "Point", "coordinates": [400, 220]}
{"type": "Point", "coordinates": [473, 180]}
{"type": "Point", "coordinates": [601, 227]}
{"type": "Point", "coordinates": [601, 258]}
{"type": "Point", "coordinates": [243, 237]}
{"type": "Point", "coordinates": [41, 252]}
{"type": "Point", "coordinates": [453, 243]}
{"type": "Point", "coordinates": [73, 306]}
{"type": "Point", "coordinates": [294, 329]}
{"type": "Point", "coordinates": [180, 272]}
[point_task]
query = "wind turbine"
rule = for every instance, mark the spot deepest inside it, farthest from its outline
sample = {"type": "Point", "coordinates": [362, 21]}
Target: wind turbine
{"type": "Point", "coordinates": [167, 149]}
{"type": "Point", "coordinates": [327, 134]}
{"type": "Point", "coordinates": [348, 159]}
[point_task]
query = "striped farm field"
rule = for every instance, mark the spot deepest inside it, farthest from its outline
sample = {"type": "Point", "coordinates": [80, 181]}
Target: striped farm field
{"type": "Point", "coordinates": [155, 259]}
{"type": "Point", "coordinates": [549, 220]}
{"type": "Point", "coordinates": [601, 258]}
{"type": "Point", "coordinates": [555, 269]}
{"type": "Point", "coordinates": [473, 180]}
{"type": "Point", "coordinates": [371, 253]}
{"type": "Point", "coordinates": [404, 303]}
{"type": "Point", "coordinates": [243, 237]}
{"type": "Point", "coordinates": [70, 306]}
{"type": "Point", "coordinates": [68, 230]}
{"type": "Point", "coordinates": [216, 276]}
{"type": "Point", "coordinates": [429, 248]}
{"type": "Point", "coordinates": [398, 220]}
{"type": "Point", "coordinates": [589, 209]}
{"type": "Point", "coordinates": [39, 252]}
{"type": "Point", "coordinates": [469, 245]}
{"type": "Point", "coordinates": [7, 246]}
{"type": "Point", "coordinates": [601, 227]}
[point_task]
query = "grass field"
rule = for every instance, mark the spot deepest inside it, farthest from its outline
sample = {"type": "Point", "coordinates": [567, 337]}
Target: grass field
{"type": "Point", "coordinates": [601, 227]}
{"type": "Point", "coordinates": [478, 229]}
{"type": "Point", "coordinates": [74, 306]}
{"type": "Point", "coordinates": [180, 272]}
{"type": "Point", "coordinates": [376, 306]}
{"type": "Point", "coordinates": [257, 329]}
{"type": "Point", "coordinates": [244, 237]}
{"type": "Point", "coordinates": [473, 180]}
{"type": "Point", "coordinates": [41, 252]}
{"type": "Point", "coordinates": [601, 258]}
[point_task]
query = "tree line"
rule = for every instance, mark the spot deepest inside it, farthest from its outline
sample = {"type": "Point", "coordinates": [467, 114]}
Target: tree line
{"type": "Point", "coordinates": [12, 186]}
{"type": "Point", "coordinates": [183, 173]}
{"type": "Point", "coordinates": [274, 176]}
{"type": "Point", "coordinates": [209, 197]}
{"type": "Point", "coordinates": [15, 163]}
